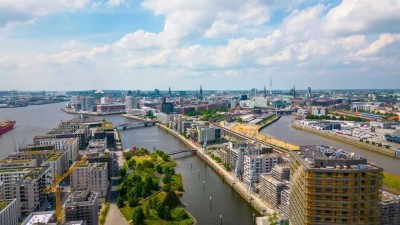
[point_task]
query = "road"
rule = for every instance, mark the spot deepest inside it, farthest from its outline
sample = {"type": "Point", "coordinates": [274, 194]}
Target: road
{"type": "Point", "coordinates": [115, 217]}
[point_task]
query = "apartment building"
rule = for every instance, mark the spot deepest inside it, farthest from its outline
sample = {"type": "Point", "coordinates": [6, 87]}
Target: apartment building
{"type": "Point", "coordinates": [58, 161]}
{"type": "Point", "coordinates": [17, 163]}
{"type": "Point", "coordinates": [82, 205]}
{"type": "Point", "coordinates": [255, 165]}
{"type": "Point", "coordinates": [29, 190]}
{"type": "Point", "coordinates": [1, 190]}
{"type": "Point", "coordinates": [9, 177]}
{"type": "Point", "coordinates": [70, 145]}
{"type": "Point", "coordinates": [330, 186]}
{"type": "Point", "coordinates": [281, 172]}
{"type": "Point", "coordinates": [91, 176]}
{"type": "Point", "coordinates": [390, 209]}
{"type": "Point", "coordinates": [39, 155]}
{"type": "Point", "coordinates": [9, 212]}
{"type": "Point", "coordinates": [271, 189]}
{"type": "Point", "coordinates": [237, 158]}
{"type": "Point", "coordinates": [284, 207]}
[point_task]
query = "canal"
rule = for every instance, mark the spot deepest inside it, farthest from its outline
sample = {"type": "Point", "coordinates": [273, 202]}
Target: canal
{"type": "Point", "coordinates": [234, 209]}
{"type": "Point", "coordinates": [283, 130]}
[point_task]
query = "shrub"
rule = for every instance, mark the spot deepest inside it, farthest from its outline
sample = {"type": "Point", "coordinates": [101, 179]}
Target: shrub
{"type": "Point", "coordinates": [138, 216]}
{"type": "Point", "coordinates": [120, 202]}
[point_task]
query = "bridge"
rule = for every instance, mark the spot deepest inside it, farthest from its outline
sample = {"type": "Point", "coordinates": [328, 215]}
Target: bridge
{"type": "Point", "coordinates": [127, 126]}
{"type": "Point", "coordinates": [281, 111]}
{"type": "Point", "coordinates": [182, 151]}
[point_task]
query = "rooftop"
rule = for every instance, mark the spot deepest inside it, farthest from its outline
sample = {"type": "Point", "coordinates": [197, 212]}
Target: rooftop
{"type": "Point", "coordinates": [53, 157]}
{"type": "Point", "coordinates": [39, 217]}
{"type": "Point", "coordinates": [81, 197]}
{"type": "Point", "coordinates": [320, 156]}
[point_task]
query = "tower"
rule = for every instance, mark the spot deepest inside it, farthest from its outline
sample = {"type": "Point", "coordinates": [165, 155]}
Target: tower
{"type": "Point", "coordinates": [270, 85]}
{"type": "Point", "coordinates": [201, 93]}
{"type": "Point", "coordinates": [169, 90]}
{"type": "Point", "coordinates": [294, 92]}
{"type": "Point", "coordinates": [265, 92]}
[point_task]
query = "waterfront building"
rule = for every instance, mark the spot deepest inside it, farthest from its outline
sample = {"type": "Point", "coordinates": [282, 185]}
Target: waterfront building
{"type": "Point", "coordinates": [331, 186]}
{"type": "Point", "coordinates": [225, 155]}
{"type": "Point", "coordinates": [91, 176]}
{"type": "Point", "coordinates": [69, 145]}
{"type": "Point", "coordinates": [82, 205]}
{"type": "Point", "coordinates": [271, 189]}
{"type": "Point", "coordinates": [209, 134]}
{"type": "Point", "coordinates": [390, 209]}
{"type": "Point", "coordinates": [107, 134]}
{"type": "Point", "coordinates": [111, 108]}
{"type": "Point", "coordinates": [255, 165]}
{"type": "Point", "coordinates": [104, 100]}
{"type": "Point", "coordinates": [131, 103]}
{"type": "Point", "coordinates": [237, 158]}
{"type": "Point", "coordinates": [9, 212]}
{"type": "Point", "coordinates": [281, 172]}
{"type": "Point", "coordinates": [87, 103]}
{"type": "Point", "coordinates": [284, 207]}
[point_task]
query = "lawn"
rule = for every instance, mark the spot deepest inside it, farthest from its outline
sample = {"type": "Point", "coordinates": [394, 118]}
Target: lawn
{"type": "Point", "coordinates": [391, 181]}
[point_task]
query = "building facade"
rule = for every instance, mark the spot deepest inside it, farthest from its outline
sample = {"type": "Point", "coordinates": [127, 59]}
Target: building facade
{"type": "Point", "coordinates": [331, 186]}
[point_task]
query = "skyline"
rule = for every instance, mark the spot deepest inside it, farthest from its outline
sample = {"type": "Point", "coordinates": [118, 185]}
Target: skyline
{"type": "Point", "coordinates": [131, 45]}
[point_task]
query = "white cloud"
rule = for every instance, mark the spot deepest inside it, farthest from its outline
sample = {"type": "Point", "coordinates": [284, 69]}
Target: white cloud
{"type": "Point", "coordinates": [353, 16]}
{"type": "Point", "coordinates": [25, 10]}
{"type": "Point", "coordinates": [116, 2]}
{"type": "Point", "coordinates": [376, 46]}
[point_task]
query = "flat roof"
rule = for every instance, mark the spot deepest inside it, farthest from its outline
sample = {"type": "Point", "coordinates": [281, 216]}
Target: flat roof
{"type": "Point", "coordinates": [39, 217]}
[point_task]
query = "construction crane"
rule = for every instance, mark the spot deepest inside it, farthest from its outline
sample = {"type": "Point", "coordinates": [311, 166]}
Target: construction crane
{"type": "Point", "coordinates": [56, 189]}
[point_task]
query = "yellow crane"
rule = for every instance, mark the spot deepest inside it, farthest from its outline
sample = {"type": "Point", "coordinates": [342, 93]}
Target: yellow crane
{"type": "Point", "coordinates": [56, 189]}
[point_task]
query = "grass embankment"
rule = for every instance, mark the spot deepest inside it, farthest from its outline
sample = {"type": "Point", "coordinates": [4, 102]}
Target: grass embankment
{"type": "Point", "coordinates": [252, 131]}
{"type": "Point", "coordinates": [391, 182]}
{"type": "Point", "coordinates": [104, 213]}
{"type": "Point", "coordinates": [148, 195]}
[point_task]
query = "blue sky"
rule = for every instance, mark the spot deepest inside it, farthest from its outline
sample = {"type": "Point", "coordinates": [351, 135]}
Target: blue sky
{"type": "Point", "coordinates": [123, 44]}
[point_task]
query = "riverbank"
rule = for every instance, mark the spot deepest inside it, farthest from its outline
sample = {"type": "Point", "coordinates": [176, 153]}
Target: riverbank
{"type": "Point", "coordinates": [143, 119]}
{"type": "Point", "coordinates": [89, 113]}
{"type": "Point", "coordinates": [253, 131]}
{"type": "Point", "coordinates": [259, 205]}
{"type": "Point", "coordinates": [345, 140]}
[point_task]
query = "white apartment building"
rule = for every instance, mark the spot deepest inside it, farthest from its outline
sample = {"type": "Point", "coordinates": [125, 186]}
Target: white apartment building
{"type": "Point", "coordinates": [271, 189]}
{"type": "Point", "coordinates": [254, 165]}
{"type": "Point", "coordinates": [29, 190]}
{"type": "Point", "coordinates": [1, 190]}
{"type": "Point", "coordinates": [9, 177]}
{"type": "Point", "coordinates": [9, 212]}
{"type": "Point", "coordinates": [58, 161]}
{"type": "Point", "coordinates": [237, 156]}
{"type": "Point", "coordinates": [70, 145]}
{"type": "Point", "coordinates": [91, 176]}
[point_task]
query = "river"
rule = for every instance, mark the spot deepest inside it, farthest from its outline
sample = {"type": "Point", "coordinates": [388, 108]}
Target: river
{"type": "Point", "coordinates": [283, 130]}
{"type": "Point", "coordinates": [234, 209]}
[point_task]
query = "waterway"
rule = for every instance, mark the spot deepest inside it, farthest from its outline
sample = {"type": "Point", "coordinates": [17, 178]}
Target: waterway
{"type": "Point", "coordinates": [225, 201]}
{"type": "Point", "coordinates": [283, 130]}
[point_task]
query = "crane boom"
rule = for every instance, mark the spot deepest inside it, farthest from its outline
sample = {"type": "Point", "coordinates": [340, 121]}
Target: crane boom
{"type": "Point", "coordinates": [55, 188]}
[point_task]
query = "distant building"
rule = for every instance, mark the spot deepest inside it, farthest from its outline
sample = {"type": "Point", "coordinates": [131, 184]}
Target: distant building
{"type": "Point", "coordinates": [167, 107]}
{"type": "Point", "coordinates": [111, 108]}
{"type": "Point", "coordinates": [131, 103]}
{"type": "Point", "coordinates": [82, 205]}
{"type": "Point", "coordinates": [9, 212]}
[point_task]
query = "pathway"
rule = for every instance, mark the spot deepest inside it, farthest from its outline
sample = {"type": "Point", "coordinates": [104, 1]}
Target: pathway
{"type": "Point", "coordinates": [115, 217]}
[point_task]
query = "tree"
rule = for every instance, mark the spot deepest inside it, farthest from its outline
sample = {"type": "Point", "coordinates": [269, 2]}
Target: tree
{"type": "Point", "coordinates": [138, 216]}
{"type": "Point", "coordinates": [273, 218]}
{"type": "Point", "coordinates": [159, 169]}
{"type": "Point", "coordinates": [131, 164]}
{"type": "Point", "coordinates": [123, 172]}
{"type": "Point", "coordinates": [133, 201]}
{"type": "Point", "coordinates": [120, 202]}
{"type": "Point", "coordinates": [181, 214]}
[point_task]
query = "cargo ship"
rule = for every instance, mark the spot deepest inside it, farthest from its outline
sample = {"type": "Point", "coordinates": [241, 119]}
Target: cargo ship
{"type": "Point", "coordinates": [6, 126]}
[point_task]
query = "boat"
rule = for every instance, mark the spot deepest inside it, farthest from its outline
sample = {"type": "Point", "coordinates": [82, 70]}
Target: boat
{"type": "Point", "coordinates": [6, 126]}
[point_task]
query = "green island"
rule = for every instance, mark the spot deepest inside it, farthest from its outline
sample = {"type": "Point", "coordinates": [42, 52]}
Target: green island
{"type": "Point", "coordinates": [149, 189]}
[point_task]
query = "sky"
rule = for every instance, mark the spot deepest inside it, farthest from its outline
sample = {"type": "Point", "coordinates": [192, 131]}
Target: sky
{"type": "Point", "coordinates": [182, 44]}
